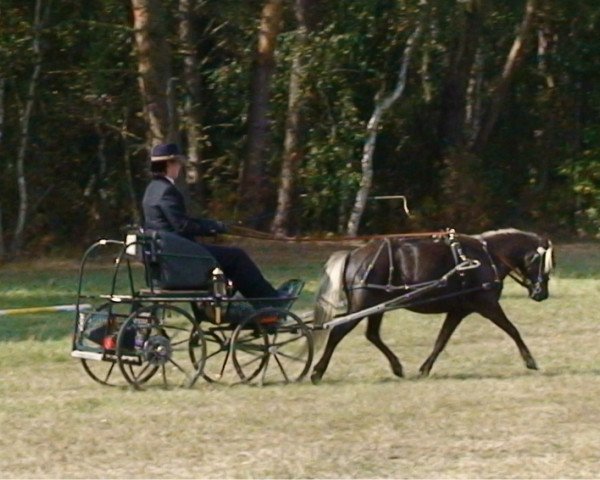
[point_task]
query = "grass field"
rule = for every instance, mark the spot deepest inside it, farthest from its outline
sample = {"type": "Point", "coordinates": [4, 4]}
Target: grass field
{"type": "Point", "coordinates": [480, 414]}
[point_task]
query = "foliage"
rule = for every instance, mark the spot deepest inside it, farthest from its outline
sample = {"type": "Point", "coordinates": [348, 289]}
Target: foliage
{"type": "Point", "coordinates": [539, 169]}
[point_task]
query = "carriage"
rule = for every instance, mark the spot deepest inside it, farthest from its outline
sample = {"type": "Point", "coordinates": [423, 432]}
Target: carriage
{"type": "Point", "coordinates": [170, 317]}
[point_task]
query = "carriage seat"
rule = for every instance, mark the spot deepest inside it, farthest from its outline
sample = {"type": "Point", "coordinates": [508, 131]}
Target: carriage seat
{"type": "Point", "coordinates": [173, 262]}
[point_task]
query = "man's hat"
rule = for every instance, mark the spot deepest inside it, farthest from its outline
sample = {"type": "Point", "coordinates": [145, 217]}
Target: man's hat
{"type": "Point", "coordinates": [165, 151]}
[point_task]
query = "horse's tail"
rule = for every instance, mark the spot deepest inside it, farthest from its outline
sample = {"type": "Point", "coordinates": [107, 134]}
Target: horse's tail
{"type": "Point", "coordinates": [331, 299]}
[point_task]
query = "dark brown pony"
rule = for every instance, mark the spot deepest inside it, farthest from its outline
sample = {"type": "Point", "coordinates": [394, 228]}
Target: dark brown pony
{"type": "Point", "coordinates": [447, 273]}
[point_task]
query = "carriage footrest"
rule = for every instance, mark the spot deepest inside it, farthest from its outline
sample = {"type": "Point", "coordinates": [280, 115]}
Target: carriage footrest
{"type": "Point", "coordinates": [86, 355]}
{"type": "Point", "coordinates": [107, 357]}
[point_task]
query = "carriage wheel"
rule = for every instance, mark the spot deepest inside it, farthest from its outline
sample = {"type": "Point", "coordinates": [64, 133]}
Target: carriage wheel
{"type": "Point", "coordinates": [218, 367]}
{"type": "Point", "coordinates": [162, 339]}
{"type": "Point", "coordinates": [103, 371]}
{"type": "Point", "coordinates": [274, 343]}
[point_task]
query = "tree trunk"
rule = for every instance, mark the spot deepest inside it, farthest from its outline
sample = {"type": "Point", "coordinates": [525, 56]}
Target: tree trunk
{"type": "Point", "coordinates": [372, 129]}
{"type": "Point", "coordinates": [133, 204]}
{"type": "Point", "coordinates": [154, 68]}
{"type": "Point", "coordinates": [39, 18]}
{"type": "Point", "coordinates": [292, 153]}
{"type": "Point", "coordinates": [2, 85]}
{"type": "Point", "coordinates": [473, 108]}
{"type": "Point", "coordinates": [192, 104]}
{"type": "Point", "coordinates": [465, 194]}
{"type": "Point", "coordinates": [454, 90]}
{"type": "Point", "coordinates": [513, 62]}
{"type": "Point", "coordinates": [253, 181]}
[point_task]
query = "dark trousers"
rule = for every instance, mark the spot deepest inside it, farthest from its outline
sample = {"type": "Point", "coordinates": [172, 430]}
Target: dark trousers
{"type": "Point", "coordinates": [242, 271]}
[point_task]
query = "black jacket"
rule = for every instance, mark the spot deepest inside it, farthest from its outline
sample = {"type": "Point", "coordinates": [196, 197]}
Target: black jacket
{"type": "Point", "coordinates": [164, 210]}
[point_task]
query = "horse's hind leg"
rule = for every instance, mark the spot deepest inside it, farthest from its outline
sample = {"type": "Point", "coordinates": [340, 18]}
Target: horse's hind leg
{"type": "Point", "coordinates": [335, 336]}
{"type": "Point", "coordinates": [373, 328]}
{"type": "Point", "coordinates": [452, 321]}
{"type": "Point", "coordinates": [495, 313]}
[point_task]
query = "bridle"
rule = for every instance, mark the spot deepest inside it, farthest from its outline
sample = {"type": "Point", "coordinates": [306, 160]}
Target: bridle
{"type": "Point", "coordinates": [545, 266]}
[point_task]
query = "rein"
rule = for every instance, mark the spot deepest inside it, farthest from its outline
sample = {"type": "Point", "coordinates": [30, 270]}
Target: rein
{"type": "Point", "coordinates": [245, 232]}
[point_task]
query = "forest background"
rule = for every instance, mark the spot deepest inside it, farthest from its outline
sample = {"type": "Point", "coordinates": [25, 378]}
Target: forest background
{"type": "Point", "coordinates": [296, 114]}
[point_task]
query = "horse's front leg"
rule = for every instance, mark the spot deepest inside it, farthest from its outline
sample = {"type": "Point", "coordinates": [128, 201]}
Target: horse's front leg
{"type": "Point", "coordinates": [452, 321]}
{"type": "Point", "coordinates": [335, 336]}
{"type": "Point", "coordinates": [373, 335]}
{"type": "Point", "coordinates": [495, 313]}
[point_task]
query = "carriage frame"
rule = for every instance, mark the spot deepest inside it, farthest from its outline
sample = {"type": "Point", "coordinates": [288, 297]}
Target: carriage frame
{"type": "Point", "coordinates": [171, 338]}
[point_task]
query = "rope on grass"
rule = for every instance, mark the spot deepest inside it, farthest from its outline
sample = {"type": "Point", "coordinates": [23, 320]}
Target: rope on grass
{"type": "Point", "coordinates": [54, 308]}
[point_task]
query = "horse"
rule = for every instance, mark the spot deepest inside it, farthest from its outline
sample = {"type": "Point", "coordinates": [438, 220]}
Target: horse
{"type": "Point", "coordinates": [446, 273]}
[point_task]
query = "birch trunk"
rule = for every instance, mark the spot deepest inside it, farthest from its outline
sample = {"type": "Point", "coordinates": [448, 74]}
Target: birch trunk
{"type": "Point", "coordinates": [25, 121]}
{"type": "Point", "coordinates": [192, 117]}
{"type": "Point", "coordinates": [513, 62]}
{"type": "Point", "coordinates": [381, 105]}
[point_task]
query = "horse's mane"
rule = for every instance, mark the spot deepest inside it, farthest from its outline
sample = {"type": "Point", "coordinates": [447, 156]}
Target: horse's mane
{"type": "Point", "coordinates": [504, 232]}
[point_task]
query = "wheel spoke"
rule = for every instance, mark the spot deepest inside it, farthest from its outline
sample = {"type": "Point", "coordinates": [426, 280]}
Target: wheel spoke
{"type": "Point", "coordinates": [110, 369]}
{"type": "Point", "coordinates": [287, 380]}
{"type": "Point", "coordinates": [181, 342]}
{"type": "Point", "coordinates": [143, 370]}
{"type": "Point", "coordinates": [264, 371]}
{"type": "Point", "coordinates": [251, 361]}
{"type": "Point", "coordinates": [286, 342]}
{"type": "Point", "coordinates": [224, 364]}
{"type": "Point", "coordinates": [179, 367]}
{"type": "Point", "coordinates": [249, 348]}
{"type": "Point", "coordinates": [216, 352]}
{"type": "Point", "coordinates": [248, 338]}
{"type": "Point", "coordinates": [291, 357]}
{"type": "Point", "coordinates": [164, 375]}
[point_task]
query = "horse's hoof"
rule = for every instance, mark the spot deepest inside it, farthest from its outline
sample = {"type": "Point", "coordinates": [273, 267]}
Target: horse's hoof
{"type": "Point", "coordinates": [424, 371]}
{"type": "Point", "coordinates": [531, 365]}
{"type": "Point", "coordinates": [315, 378]}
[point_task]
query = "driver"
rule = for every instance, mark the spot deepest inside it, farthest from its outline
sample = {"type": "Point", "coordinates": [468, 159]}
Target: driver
{"type": "Point", "coordinates": [164, 210]}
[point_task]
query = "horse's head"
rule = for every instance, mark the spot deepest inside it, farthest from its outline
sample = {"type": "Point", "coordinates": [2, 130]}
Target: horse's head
{"type": "Point", "coordinates": [536, 267]}
{"type": "Point", "coordinates": [527, 257]}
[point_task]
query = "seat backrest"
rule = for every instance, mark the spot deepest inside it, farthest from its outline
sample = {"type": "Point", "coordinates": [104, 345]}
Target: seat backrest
{"type": "Point", "coordinates": [176, 263]}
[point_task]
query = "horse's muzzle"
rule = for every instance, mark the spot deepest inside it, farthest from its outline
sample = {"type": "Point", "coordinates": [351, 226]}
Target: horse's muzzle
{"type": "Point", "coordinates": [539, 292]}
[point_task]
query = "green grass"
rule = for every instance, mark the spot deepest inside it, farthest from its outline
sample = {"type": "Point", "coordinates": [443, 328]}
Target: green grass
{"type": "Point", "coordinates": [481, 414]}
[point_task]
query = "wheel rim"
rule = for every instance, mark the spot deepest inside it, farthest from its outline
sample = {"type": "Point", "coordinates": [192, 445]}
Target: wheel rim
{"type": "Point", "coordinates": [249, 350]}
{"type": "Point", "coordinates": [105, 371]}
{"type": "Point", "coordinates": [162, 340]}
{"type": "Point", "coordinates": [272, 354]}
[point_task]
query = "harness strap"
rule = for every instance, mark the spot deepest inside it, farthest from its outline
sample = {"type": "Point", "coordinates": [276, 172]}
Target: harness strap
{"type": "Point", "coordinates": [492, 263]}
{"type": "Point", "coordinates": [462, 264]}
